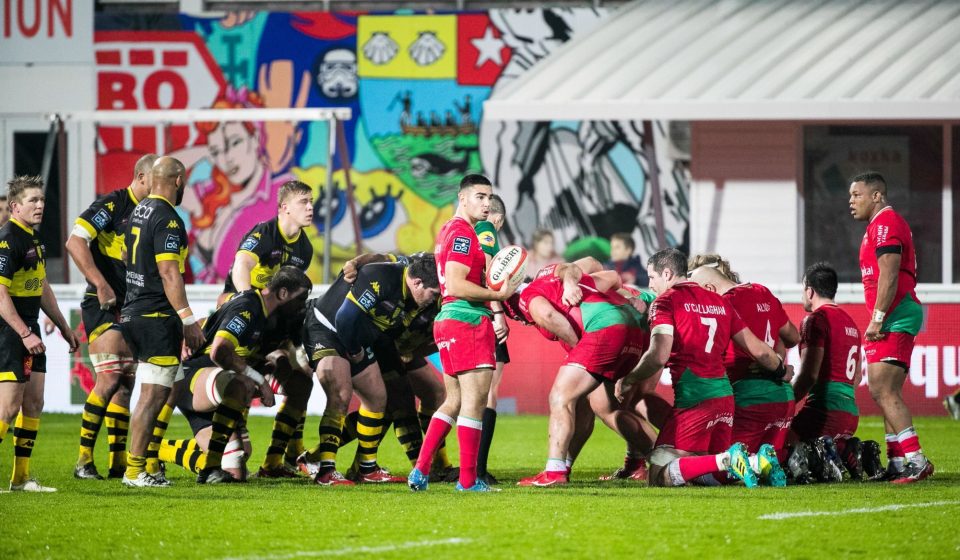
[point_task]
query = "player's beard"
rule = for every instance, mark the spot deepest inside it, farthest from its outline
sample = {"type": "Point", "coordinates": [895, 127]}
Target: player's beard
{"type": "Point", "coordinates": [180, 192]}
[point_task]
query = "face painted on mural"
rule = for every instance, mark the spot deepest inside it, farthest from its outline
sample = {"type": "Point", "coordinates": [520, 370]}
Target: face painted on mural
{"type": "Point", "coordinates": [234, 151]}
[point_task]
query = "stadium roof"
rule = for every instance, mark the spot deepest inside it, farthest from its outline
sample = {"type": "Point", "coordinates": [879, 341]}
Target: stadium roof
{"type": "Point", "coordinates": [742, 60]}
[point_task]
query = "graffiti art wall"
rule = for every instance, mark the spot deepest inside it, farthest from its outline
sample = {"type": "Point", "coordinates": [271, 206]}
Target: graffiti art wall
{"type": "Point", "coordinates": [416, 84]}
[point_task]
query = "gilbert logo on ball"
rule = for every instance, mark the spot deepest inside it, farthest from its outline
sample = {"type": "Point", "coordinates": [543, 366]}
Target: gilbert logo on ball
{"type": "Point", "coordinates": [507, 265]}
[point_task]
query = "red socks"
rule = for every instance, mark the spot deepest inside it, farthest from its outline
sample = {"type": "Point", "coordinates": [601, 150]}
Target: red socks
{"type": "Point", "coordinates": [440, 426]}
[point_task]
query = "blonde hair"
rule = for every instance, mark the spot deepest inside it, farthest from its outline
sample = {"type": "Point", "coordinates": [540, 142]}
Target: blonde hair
{"type": "Point", "coordinates": [715, 261]}
{"type": "Point", "coordinates": [19, 184]}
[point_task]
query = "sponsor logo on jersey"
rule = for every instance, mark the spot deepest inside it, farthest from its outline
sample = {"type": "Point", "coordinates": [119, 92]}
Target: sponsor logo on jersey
{"type": "Point", "coordinates": [882, 233]}
{"type": "Point", "coordinates": [172, 243]}
{"type": "Point", "coordinates": [367, 300]}
{"type": "Point", "coordinates": [866, 271]}
{"type": "Point", "coordinates": [4, 245]}
{"type": "Point", "coordinates": [763, 308]}
{"type": "Point", "coordinates": [852, 332]}
{"type": "Point", "coordinates": [236, 326]}
{"type": "Point", "coordinates": [3, 264]}
{"type": "Point", "coordinates": [249, 244]}
{"type": "Point", "coordinates": [143, 212]}
{"type": "Point", "coordinates": [101, 219]}
{"type": "Point", "coordinates": [461, 245]}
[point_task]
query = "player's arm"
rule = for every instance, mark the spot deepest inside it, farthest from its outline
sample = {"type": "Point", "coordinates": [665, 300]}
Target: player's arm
{"type": "Point", "coordinates": [548, 318]}
{"type": "Point", "coordinates": [9, 314]}
{"type": "Point", "coordinates": [223, 352]}
{"type": "Point", "coordinates": [811, 358]}
{"type": "Point", "coordinates": [500, 327]}
{"type": "Point", "coordinates": [588, 265]}
{"type": "Point", "coordinates": [353, 323]}
{"type": "Point", "coordinates": [351, 267]}
{"type": "Point", "coordinates": [243, 264]}
{"type": "Point", "coordinates": [167, 243]}
{"type": "Point", "coordinates": [653, 360]}
{"type": "Point", "coordinates": [607, 280]}
{"type": "Point", "coordinates": [457, 285]}
{"type": "Point", "coordinates": [789, 335]}
{"type": "Point", "coordinates": [888, 264]}
{"type": "Point", "coordinates": [48, 303]}
{"type": "Point", "coordinates": [760, 352]}
{"type": "Point", "coordinates": [78, 247]}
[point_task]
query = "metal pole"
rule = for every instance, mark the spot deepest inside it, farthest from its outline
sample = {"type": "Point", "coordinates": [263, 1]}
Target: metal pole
{"type": "Point", "coordinates": [345, 165]}
{"type": "Point", "coordinates": [947, 206]}
{"type": "Point", "coordinates": [62, 179]}
{"type": "Point", "coordinates": [328, 210]}
{"type": "Point", "coordinates": [651, 154]}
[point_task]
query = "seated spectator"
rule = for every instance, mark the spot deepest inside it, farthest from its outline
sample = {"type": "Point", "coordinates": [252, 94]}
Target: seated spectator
{"type": "Point", "coordinates": [629, 266]}
{"type": "Point", "coordinates": [542, 252]}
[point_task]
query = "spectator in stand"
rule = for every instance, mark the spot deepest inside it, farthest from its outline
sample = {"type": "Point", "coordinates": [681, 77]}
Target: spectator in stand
{"type": "Point", "coordinates": [542, 252]}
{"type": "Point", "coordinates": [629, 266]}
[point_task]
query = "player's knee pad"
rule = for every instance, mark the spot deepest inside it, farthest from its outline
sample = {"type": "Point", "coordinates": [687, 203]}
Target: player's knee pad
{"type": "Point", "coordinates": [165, 376]}
{"type": "Point", "coordinates": [233, 455]}
{"type": "Point", "coordinates": [216, 384]}
{"type": "Point", "coordinates": [105, 363]}
{"type": "Point", "coordinates": [663, 456]}
{"type": "Point", "coordinates": [275, 385]}
{"type": "Point", "coordinates": [129, 365]}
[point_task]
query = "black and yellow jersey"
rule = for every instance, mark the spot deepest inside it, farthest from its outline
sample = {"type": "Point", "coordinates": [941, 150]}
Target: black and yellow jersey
{"type": "Point", "coordinates": [156, 234]}
{"type": "Point", "coordinates": [22, 268]}
{"type": "Point", "coordinates": [271, 249]}
{"type": "Point", "coordinates": [241, 320]}
{"type": "Point", "coordinates": [419, 332]}
{"type": "Point", "coordinates": [106, 223]}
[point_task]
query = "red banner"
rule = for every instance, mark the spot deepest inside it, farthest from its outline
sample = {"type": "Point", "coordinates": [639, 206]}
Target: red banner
{"type": "Point", "coordinates": [933, 369]}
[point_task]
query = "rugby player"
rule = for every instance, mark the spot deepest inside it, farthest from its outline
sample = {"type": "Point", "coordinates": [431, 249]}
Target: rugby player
{"type": "Point", "coordinates": [156, 319]}
{"type": "Point", "coordinates": [219, 381]}
{"type": "Point", "coordinates": [764, 407]}
{"type": "Point", "coordinates": [464, 333]}
{"type": "Point", "coordinates": [23, 293]}
{"type": "Point", "coordinates": [830, 373]}
{"type": "Point", "coordinates": [690, 331]}
{"type": "Point", "coordinates": [888, 265]}
{"type": "Point", "coordinates": [340, 328]}
{"type": "Point", "coordinates": [96, 246]}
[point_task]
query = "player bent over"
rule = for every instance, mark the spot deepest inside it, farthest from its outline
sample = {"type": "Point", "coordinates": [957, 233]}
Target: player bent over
{"type": "Point", "coordinates": [690, 329]}
{"type": "Point", "coordinates": [23, 293]}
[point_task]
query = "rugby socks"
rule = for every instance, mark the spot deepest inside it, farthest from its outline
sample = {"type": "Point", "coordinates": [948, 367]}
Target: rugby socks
{"type": "Point", "coordinates": [440, 426]}
{"type": "Point", "coordinates": [556, 465]}
{"type": "Point", "coordinates": [468, 435]}
{"type": "Point", "coordinates": [3, 430]}
{"type": "Point", "coordinates": [225, 419]}
{"type": "Point", "coordinates": [24, 438]}
{"type": "Point", "coordinates": [284, 426]}
{"type": "Point", "coordinates": [894, 451]}
{"type": "Point", "coordinates": [486, 439]}
{"type": "Point", "coordinates": [117, 421]}
{"type": "Point", "coordinates": [370, 428]}
{"type": "Point", "coordinates": [295, 445]}
{"type": "Point", "coordinates": [696, 466]}
{"type": "Point", "coordinates": [426, 417]}
{"type": "Point", "coordinates": [350, 428]}
{"type": "Point", "coordinates": [159, 430]}
{"type": "Point", "coordinates": [135, 465]}
{"type": "Point", "coordinates": [90, 421]}
{"type": "Point", "coordinates": [910, 445]}
{"type": "Point", "coordinates": [183, 452]}
{"type": "Point", "coordinates": [407, 429]}
{"type": "Point", "coordinates": [331, 430]}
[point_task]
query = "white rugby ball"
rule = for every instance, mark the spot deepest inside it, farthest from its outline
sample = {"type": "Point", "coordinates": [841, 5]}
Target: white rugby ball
{"type": "Point", "coordinates": [509, 265]}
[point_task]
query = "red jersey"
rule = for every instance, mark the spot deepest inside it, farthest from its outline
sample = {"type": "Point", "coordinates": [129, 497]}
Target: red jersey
{"type": "Point", "coordinates": [457, 242]}
{"type": "Point", "coordinates": [888, 232]}
{"type": "Point", "coordinates": [832, 329]}
{"type": "Point", "coordinates": [701, 323]}
{"type": "Point", "coordinates": [762, 313]}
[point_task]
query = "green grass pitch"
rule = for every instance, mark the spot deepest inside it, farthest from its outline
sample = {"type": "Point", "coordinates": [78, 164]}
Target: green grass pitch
{"type": "Point", "coordinates": [280, 520]}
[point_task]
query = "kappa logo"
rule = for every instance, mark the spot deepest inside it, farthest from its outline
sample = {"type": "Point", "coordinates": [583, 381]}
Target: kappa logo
{"type": "Point", "coordinates": [375, 286]}
{"type": "Point", "coordinates": [257, 235]}
{"type": "Point", "coordinates": [173, 225]}
{"type": "Point", "coordinates": [245, 315]}
{"type": "Point", "coordinates": [110, 206]}
{"type": "Point", "coordinates": [461, 244]}
{"type": "Point", "coordinates": [4, 245]}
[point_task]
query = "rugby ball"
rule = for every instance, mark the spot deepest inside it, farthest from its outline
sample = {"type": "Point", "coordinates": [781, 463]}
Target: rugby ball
{"type": "Point", "coordinates": [509, 265]}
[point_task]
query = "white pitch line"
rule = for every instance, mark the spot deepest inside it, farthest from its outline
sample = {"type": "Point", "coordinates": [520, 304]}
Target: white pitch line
{"type": "Point", "coordinates": [891, 507]}
{"type": "Point", "coordinates": [352, 550]}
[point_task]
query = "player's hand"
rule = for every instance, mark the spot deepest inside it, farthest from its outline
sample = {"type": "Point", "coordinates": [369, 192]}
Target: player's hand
{"type": "Point", "coordinates": [73, 341]}
{"type": "Point", "coordinates": [873, 333]}
{"type": "Point", "coordinates": [622, 389]}
{"type": "Point", "coordinates": [506, 290]}
{"type": "Point", "coordinates": [638, 304]}
{"type": "Point", "coordinates": [266, 394]}
{"type": "Point", "coordinates": [572, 295]}
{"type": "Point", "coordinates": [500, 327]}
{"type": "Point", "coordinates": [789, 375]}
{"type": "Point", "coordinates": [33, 344]}
{"type": "Point", "coordinates": [193, 336]}
{"type": "Point", "coordinates": [106, 297]}
{"type": "Point", "coordinates": [48, 326]}
{"type": "Point", "coordinates": [350, 271]}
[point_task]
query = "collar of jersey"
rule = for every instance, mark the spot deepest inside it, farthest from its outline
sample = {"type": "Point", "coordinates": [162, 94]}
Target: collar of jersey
{"type": "Point", "coordinates": [160, 197]}
{"type": "Point", "coordinates": [23, 227]}
{"type": "Point", "coordinates": [403, 284]}
{"type": "Point", "coordinates": [132, 196]}
{"type": "Point", "coordinates": [882, 210]}
{"type": "Point", "coordinates": [285, 238]}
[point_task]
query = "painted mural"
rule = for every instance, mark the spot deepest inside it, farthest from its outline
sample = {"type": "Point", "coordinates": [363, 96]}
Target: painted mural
{"type": "Point", "coordinates": [416, 84]}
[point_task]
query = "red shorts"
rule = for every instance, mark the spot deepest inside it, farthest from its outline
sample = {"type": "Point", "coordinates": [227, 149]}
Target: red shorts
{"type": "Point", "coordinates": [704, 428]}
{"type": "Point", "coordinates": [763, 423]}
{"type": "Point", "coordinates": [811, 423]}
{"type": "Point", "coordinates": [610, 353]}
{"type": "Point", "coordinates": [464, 346]}
{"type": "Point", "coordinates": [894, 347]}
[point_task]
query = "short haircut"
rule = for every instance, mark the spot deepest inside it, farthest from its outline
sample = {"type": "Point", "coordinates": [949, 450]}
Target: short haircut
{"type": "Point", "coordinates": [473, 180]}
{"type": "Point", "coordinates": [292, 188]}
{"type": "Point", "coordinates": [20, 183]}
{"type": "Point", "coordinates": [822, 277]}
{"type": "Point", "coordinates": [497, 206]}
{"type": "Point", "coordinates": [540, 233]}
{"type": "Point", "coordinates": [3, 197]}
{"type": "Point", "coordinates": [715, 261]}
{"type": "Point", "coordinates": [872, 180]}
{"type": "Point", "coordinates": [669, 258]}
{"type": "Point", "coordinates": [423, 266]}
{"type": "Point", "coordinates": [291, 278]}
{"type": "Point", "coordinates": [144, 165]}
{"type": "Point", "coordinates": [626, 239]}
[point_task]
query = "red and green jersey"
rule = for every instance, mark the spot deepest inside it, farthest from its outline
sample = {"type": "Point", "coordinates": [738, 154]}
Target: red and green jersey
{"type": "Point", "coordinates": [457, 242]}
{"type": "Point", "coordinates": [832, 329]}
{"type": "Point", "coordinates": [887, 233]}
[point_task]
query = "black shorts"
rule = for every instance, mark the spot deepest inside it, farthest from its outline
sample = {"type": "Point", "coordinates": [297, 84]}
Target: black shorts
{"type": "Point", "coordinates": [15, 362]}
{"type": "Point", "coordinates": [320, 342]}
{"type": "Point", "coordinates": [502, 354]}
{"type": "Point", "coordinates": [95, 320]}
{"type": "Point", "coordinates": [155, 340]}
{"type": "Point", "coordinates": [185, 388]}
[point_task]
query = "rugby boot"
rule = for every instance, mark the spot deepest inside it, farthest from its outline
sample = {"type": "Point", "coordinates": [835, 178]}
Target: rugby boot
{"type": "Point", "coordinates": [545, 479]}
{"type": "Point", "coordinates": [117, 472]}
{"type": "Point", "coordinates": [823, 462]}
{"type": "Point", "coordinates": [632, 469]}
{"type": "Point", "coordinates": [487, 478]}
{"type": "Point", "coordinates": [738, 466]}
{"type": "Point", "coordinates": [215, 475]}
{"type": "Point", "coordinates": [417, 481]}
{"type": "Point", "coordinates": [282, 471]}
{"type": "Point", "coordinates": [143, 480]}
{"type": "Point", "coordinates": [378, 476]}
{"type": "Point", "coordinates": [86, 472]}
{"type": "Point", "coordinates": [31, 485]}
{"type": "Point", "coordinates": [953, 407]}
{"type": "Point", "coordinates": [852, 458]}
{"type": "Point", "coordinates": [306, 466]}
{"type": "Point", "coordinates": [870, 459]}
{"type": "Point", "coordinates": [478, 486]}
{"type": "Point", "coordinates": [332, 477]}
{"type": "Point", "coordinates": [915, 471]}
{"type": "Point", "coordinates": [889, 474]}
{"type": "Point", "coordinates": [798, 463]}
{"type": "Point", "coordinates": [771, 473]}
